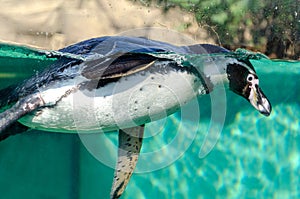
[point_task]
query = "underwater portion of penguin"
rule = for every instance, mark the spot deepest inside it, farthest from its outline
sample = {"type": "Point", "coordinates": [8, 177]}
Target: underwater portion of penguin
{"type": "Point", "coordinates": [122, 76]}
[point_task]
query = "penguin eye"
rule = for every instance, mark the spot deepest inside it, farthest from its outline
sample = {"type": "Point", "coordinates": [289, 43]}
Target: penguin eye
{"type": "Point", "coordinates": [250, 78]}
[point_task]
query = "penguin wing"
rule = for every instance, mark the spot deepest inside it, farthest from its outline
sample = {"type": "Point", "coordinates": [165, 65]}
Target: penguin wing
{"type": "Point", "coordinates": [117, 56]}
{"type": "Point", "coordinates": [114, 56]}
{"type": "Point", "coordinates": [118, 65]}
{"type": "Point", "coordinates": [121, 56]}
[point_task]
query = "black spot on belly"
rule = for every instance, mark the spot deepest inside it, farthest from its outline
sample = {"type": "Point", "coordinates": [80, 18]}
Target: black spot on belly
{"type": "Point", "coordinates": [159, 86]}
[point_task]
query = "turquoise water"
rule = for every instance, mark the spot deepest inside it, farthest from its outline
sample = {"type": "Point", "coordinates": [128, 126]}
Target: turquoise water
{"type": "Point", "coordinates": [255, 156]}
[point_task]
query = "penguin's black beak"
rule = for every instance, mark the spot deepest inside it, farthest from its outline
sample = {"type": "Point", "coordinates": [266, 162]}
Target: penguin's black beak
{"type": "Point", "coordinates": [259, 101]}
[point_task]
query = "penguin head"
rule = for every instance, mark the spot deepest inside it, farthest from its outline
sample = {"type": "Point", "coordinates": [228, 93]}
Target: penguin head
{"type": "Point", "coordinates": [244, 81]}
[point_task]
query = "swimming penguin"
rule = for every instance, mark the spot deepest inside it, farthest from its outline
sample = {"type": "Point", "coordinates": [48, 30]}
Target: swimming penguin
{"type": "Point", "coordinates": [124, 82]}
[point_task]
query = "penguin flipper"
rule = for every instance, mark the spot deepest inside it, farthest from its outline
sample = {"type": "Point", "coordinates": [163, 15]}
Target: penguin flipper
{"type": "Point", "coordinates": [130, 143]}
{"type": "Point", "coordinates": [8, 119]}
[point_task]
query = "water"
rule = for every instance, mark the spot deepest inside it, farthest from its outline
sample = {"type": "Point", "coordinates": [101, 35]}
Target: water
{"type": "Point", "coordinates": [255, 156]}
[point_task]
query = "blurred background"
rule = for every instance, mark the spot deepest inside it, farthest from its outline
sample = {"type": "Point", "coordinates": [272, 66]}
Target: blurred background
{"type": "Point", "coordinates": [271, 27]}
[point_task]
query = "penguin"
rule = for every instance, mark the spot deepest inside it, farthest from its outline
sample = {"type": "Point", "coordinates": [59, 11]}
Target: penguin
{"type": "Point", "coordinates": [125, 83]}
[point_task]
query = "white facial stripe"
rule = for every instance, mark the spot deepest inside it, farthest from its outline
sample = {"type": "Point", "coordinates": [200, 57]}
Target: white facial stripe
{"type": "Point", "coordinates": [256, 82]}
{"type": "Point", "coordinates": [235, 61]}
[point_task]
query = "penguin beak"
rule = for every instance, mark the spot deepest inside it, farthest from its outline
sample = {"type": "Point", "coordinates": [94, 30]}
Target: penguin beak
{"type": "Point", "coordinates": [259, 101]}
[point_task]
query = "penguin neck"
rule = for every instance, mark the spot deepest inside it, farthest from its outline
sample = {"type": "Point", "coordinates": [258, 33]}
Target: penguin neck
{"type": "Point", "coordinates": [219, 79]}
{"type": "Point", "coordinates": [215, 70]}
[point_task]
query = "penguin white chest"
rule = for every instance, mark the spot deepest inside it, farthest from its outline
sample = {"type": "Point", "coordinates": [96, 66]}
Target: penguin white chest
{"type": "Point", "coordinates": [132, 100]}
